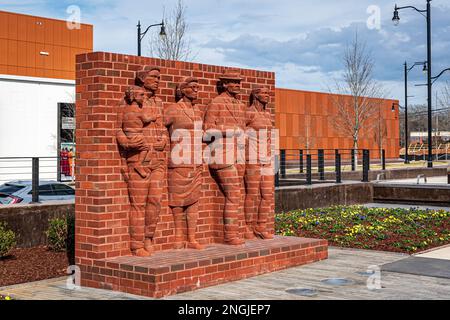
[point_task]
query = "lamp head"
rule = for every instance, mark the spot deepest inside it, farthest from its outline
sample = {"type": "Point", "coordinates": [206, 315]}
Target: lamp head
{"type": "Point", "coordinates": [162, 34]}
{"type": "Point", "coordinates": [425, 68]}
{"type": "Point", "coordinates": [396, 18]}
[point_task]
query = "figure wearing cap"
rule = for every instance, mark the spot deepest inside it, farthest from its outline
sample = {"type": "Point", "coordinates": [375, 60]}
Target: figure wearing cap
{"type": "Point", "coordinates": [225, 120]}
{"type": "Point", "coordinates": [183, 121]}
{"type": "Point", "coordinates": [259, 175]}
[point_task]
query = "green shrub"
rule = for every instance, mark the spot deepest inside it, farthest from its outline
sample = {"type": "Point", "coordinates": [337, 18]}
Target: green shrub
{"type": "Point", "coordinates": [57, 234]}
{"type": "Point", "coordinates": [61, 234]}
{"type": "Point", "coordinates": [7, 240]}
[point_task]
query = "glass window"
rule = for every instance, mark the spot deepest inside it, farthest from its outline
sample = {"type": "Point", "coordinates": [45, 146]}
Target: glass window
{"type": "Point", "coordinates": [10, 188]}
{"type": "Point", "coordinates": [63, 190]}
{"type": "Point", "coordinates": [45, 190]}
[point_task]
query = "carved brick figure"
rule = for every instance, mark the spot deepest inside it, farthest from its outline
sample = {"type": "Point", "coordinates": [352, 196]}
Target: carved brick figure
{"type": "Point", "coordinates": [259, 178]}
{"type": "Point", "coordinates": [183, 121]}
{"type": "Point", "coordinates": [225, 119]}
{"type": "Point", "coordinates": [133, 121]}
{"type": "Point", "coordinates": [145, 173]}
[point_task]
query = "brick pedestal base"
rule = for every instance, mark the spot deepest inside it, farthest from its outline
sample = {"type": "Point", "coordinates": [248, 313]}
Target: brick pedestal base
{"type": "Point", "coordinates": [175, 271]}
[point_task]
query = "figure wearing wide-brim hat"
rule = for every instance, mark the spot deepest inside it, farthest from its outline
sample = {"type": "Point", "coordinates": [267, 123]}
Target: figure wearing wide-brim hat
{"type": "Point", "coordinates": [224, 115]}
{"type": "Point", "coordinates": [231, 74]}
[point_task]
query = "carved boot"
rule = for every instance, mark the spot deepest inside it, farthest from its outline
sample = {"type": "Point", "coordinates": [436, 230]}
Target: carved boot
{"type": "Point", "coordinates": [148, 246]}
{"type": "Point", "coordinates": [261, 231]}
{"type": "Point", "coordinates": [231, 236]}
{"type": "Point", "coordinates": [138, 248]}
{"type": "Point", "coordinates": [140, 252]}
{"type": "Point", "coordinates": [249, 233]}
{"type": "Point", "coordinates": [195, 245]}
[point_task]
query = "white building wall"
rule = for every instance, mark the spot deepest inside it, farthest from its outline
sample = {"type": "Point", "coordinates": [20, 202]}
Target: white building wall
{"type": "Point", "coordinates": [28, 123]}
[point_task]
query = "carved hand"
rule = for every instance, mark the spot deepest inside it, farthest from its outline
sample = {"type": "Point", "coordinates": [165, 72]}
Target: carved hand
{"type": "Point", "coordinates": [124, 171]}
{"type": "Point", "coordinates": [160, 144]}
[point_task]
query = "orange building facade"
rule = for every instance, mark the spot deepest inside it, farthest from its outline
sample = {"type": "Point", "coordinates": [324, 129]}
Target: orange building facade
{"type": "Point", "coordinates": [41, 47]}
{"type": "Point", "coordinates": [37, 89]}
{"type": "Point", "coordinates": [306, 120]}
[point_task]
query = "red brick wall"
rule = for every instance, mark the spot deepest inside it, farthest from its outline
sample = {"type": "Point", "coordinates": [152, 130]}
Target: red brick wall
{"type": "Point", "coordinates": [101, 194]}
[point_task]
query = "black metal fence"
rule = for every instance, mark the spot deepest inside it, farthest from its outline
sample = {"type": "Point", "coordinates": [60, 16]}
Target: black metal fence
{"type": "Point", "coordinates": [311, 166]}
{"type": "Point", "coordinates": [35, 168]}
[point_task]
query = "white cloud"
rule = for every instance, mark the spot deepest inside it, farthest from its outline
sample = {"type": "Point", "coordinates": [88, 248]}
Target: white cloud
{"type": "Point", "coordinates": [301, 40]}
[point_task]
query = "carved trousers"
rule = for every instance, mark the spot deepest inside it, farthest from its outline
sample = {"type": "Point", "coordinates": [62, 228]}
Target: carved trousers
{"type": "Point", "coordinates": [145, 200]}
{"type": "Point", "coordinates": [230, 184]}
{"type": "Point", "coordinates": [259, 184]}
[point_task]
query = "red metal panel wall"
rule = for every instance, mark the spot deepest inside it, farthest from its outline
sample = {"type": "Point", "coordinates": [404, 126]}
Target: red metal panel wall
{"type": "Point", "coordinates": [23, 37]}
{"type": "Point", "coordinates": [305, 117]}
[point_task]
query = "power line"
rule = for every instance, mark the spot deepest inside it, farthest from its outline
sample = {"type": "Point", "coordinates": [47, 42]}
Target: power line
{"type": "Point", "coordinates": [441, 110]}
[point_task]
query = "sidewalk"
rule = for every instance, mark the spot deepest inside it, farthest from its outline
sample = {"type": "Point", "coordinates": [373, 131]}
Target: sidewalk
{"type": "Point", "coordinates": [404, 206]}
{"type": "Point", "coordinates": [439, 253]}
{"type": "Point", "coordinates": [430, 181]}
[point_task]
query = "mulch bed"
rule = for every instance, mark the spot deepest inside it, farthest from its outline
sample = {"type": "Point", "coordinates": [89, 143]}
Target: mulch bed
{"type": "Point", "coordinates": [35, 264]}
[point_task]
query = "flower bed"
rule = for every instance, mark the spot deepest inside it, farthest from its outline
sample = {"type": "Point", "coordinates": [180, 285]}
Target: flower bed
{"type": "Point", "coordinates": [398, 230]}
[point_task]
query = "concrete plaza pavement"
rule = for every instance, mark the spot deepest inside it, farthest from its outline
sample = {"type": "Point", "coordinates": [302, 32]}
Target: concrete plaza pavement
{"type": "Point", "coordinates": [359, 268]}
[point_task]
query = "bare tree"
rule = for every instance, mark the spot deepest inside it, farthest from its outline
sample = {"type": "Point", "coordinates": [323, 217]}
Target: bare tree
{"type": "Point", "coordinates": [307, 140]}
{"type": "Point", "coordinates": [359, 95]}
{"type": "Point", "coordinates": [444, 99]}
{"type": "Point", "coordinates": [380, 130]}
{"type": "Point", "coordinates": [175, 45]}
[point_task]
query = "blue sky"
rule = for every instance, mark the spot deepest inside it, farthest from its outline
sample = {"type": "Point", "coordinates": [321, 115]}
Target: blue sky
{"type": "Point", "coordinates": [302, 41]}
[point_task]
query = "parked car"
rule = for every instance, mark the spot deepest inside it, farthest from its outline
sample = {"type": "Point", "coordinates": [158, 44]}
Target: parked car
{"type": "Point", "coordinates": [20, 191]}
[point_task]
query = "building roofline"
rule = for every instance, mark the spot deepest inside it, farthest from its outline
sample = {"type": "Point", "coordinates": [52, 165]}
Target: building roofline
{"type": "Point", "coordinates": [54, 19]}
{"type": "Point", "coordinates": [37, 79]}
{"type": "Point", "coordinates": [332, 93]}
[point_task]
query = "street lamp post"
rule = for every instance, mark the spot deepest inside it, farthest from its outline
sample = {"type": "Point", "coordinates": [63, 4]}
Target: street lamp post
{"type": "Point", "coordinates": [406, 128]}
{"type": "Point", "coordinates": [141, 35]}
{"type": "Point", "coordinates": [396, 20]}
{"type": "Point", "coordinates": [424, 64]}
{"type": "Point", "coordinates": [440, 74]}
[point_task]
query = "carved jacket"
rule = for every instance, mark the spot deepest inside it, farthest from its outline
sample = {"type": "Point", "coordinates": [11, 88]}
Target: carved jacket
{"type": "Point", "coordinates": [155, 131]}
{"type": "Point", "coordinates": [226, 113]}
{"type": "Point", "coordinates": [259, 135]}
{"type": "Point", "coordinates": [184, 123]}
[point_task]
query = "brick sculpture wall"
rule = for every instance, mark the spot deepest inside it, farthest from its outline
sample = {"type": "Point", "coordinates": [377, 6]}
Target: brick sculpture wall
{"type": "Point", "coordinates": [101, 194]}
